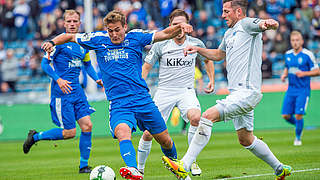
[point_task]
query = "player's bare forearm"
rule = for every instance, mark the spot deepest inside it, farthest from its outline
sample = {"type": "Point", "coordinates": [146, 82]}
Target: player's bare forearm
{"type": "Point", "coordinates": [212, 54]}
{"type": "Point", "coordinates": [64, 38]}
{"type": "Point", "coordinates": [172, 31]}
{"type": "Point", "coordinates": [268, 24]}
{"type": "Point", "coordinates": [145, 70]}
{"type": "Point", "coordinates": [284, 75]}
{"type": "Point", "coordinates": [315, 72]}
{"type": "Point", "coordinates": [210, 72]}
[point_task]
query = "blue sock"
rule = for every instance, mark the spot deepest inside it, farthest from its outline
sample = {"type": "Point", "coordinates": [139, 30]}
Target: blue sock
{"type": "Point", "coordinates": [292, 120]}
{"type": "Point", "coordinates": [299, 128]}
{"type": "Point", "coordinates": [128, 153]}
{"type": "Point", "coordinates": [52, 134]}
{"type": "Point", "coordinates": [85, 148]}
{"type": "Point", "coordinates": [170, 153]}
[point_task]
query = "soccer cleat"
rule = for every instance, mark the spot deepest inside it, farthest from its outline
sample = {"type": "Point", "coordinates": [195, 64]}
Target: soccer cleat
{"type": "Point", "coordinates": [195, 169]}
{"type": "Point", "coordinates": [131, 173]}
{"type": "Point", "coordinates": [285, 172]}
{"type": "Point", "coordinates": [297, 142]}
{"type": "Point", "coordinates": [86, 169]}
{"type": "Point", "coordinates": [176, 167]}
{"type": "Point", "coordinates": [29, 142]}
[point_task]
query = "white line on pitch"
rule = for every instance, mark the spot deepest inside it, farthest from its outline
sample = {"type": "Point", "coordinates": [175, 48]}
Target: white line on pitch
{"type": "Point", "coordinates": [269, 174]}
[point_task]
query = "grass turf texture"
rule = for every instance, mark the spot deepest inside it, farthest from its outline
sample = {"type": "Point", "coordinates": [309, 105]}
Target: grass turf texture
{"type": "Point", "coordinates": [222, 157]}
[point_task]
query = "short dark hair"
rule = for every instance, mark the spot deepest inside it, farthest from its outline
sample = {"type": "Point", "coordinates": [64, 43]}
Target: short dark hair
{"type": "Point", "coordinates": [113, 17]}
{"type": "Point", "coordinates": [178, 12]}
{"type": "Point", "coordinates": [243, 4]}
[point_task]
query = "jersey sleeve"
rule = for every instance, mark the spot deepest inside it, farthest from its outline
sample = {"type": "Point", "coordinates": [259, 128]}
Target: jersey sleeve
{"type": "Point", "coordinates": [154, 54]}
{"type": "Point", "coordinates": [145, 37]}
{"type": "Point", "coordinates": [91, 41]}
{"type": "Point", "coordinates": [251, 25]}
{"type": "Point", "coordinates": [312, 61]}
{"type": "Point", "coordinates": [222, 45]}
{"type": "Point", "coordinates": [53, 54]}
{"type": "Point", "coordinates": [286, 61]}
{"type": "Point", "coordinates": [199, 56]}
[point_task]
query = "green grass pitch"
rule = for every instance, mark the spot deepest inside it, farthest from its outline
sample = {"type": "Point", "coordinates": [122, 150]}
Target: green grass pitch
{"type": "Point", "coordinates": [222, 157]}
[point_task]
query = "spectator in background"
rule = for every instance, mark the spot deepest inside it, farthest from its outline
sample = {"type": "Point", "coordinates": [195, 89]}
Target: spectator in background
{"type": "Point", "coordinates": [280, 46]}
{"type": "Point", "coordinates": [315, 27]}
{"type": "Point", "coordinates": [35, 10]}
{"type": "Point", "coordinates": [301, 24]}
{"type": "Point", "coordinates": [7, 17]}
{"type": "Point", "coordinates": [21, 13]}
{"type": "Point", "coordinates": [273, 8]}
{"type": "Point", "coordinates": [133, 22]}
{"type": "Point", "coordinates": [306, 10]}
{"type": "Point", "coordinates": [266, 66]}
{"type": "Point", "coordinates": [2, 57]}
{"type": "Point", "coordinates": [140, 12]}
{"type": "Point", "coordinates": [9, 69]}
{"type": "Point", "coordinates": [258, 5]}
{"type": "Point", "coordinates": [124, 6]}
{"type": "Point", "coordinates": [202, 23]}
{"type": "Point", "coordinates": [211, 39]}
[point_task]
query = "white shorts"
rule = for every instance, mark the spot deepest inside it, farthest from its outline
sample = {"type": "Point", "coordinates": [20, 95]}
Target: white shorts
{"type": "Point", "coordinates": [183, 98]}
{"type": "Point", "coordinates": [238, 106]}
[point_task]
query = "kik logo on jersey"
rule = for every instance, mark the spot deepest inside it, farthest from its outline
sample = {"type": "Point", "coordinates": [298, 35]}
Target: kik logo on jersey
{"type": "Point", "coordinates": [179, 62]}
{"type": "Point", "coordinates": [116, 54]}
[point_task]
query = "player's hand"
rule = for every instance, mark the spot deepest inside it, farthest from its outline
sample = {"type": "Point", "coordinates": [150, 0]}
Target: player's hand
{"type": "Point", "coordinates": [99, 81]}
{"type": "Point", "coordinates": [269, 24]}
{"type": "Point", "coordinates": [64, 86]}
{"type": "Point", "coordinates": [300, 74]}
{"type": "Point", "coordinates": [283, 78]}
{"type": "Point", "coordinates": [186, 28]}
{"type": "Point", "coordinates": [190, 50]}
{"type": "Point", "coordinates": [47, 46]}
{"type": "Point", "coordinates": [210, 88]}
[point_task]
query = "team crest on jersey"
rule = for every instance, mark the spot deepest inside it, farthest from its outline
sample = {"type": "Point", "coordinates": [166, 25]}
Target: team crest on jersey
{"type": "Point", "coordinates": [82, 50]}
{"type": "Point", "coordinates": [288, 58]}
{"type": "Point", "coordinates": [126, 42]}
{"type": "Point", "coordinates": [300, 60]}
{"type": "Point", "coordinates": [86, 37]}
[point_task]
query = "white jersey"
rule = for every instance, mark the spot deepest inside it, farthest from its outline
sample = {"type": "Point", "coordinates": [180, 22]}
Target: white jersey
{"type": "Point", "coordinates": [175, 69]}
{"type": "Point", "coordinates": [243, 46]}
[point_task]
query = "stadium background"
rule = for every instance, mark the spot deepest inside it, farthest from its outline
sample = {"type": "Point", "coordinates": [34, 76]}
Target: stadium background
{"type": "Point", "coordinates": [25, 24]}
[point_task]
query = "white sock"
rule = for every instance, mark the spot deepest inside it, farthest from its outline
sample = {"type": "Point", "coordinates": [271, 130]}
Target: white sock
{"type": "Point", "coordinates": [191, 131]}
{"type": "Point", "coordinates": [143, 152]}
{"type": "Point", "coordinates": [199, 141]}
{"type": "Point", "coordinates": [262, 151]}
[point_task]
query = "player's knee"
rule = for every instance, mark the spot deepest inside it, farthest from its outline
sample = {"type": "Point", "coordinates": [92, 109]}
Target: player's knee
{"type": "Point", "coordinates": [286, 116]}
{"type": "Point", "coordinates": [147, 136]}
{"type": "Point", "coordinates": [166, 144]}
{"type": "Point", "coordinates": [87, 127]}
{"type": "Point", "coordinates": [298, 116]}
{"type": "Point", "coordinates": [69, 133]}
{"type": "Point", "coordinates": [194, 119]}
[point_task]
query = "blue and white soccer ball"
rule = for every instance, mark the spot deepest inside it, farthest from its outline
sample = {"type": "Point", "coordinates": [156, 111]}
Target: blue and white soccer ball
{"type": "Point", "coordinates": [102, 172]}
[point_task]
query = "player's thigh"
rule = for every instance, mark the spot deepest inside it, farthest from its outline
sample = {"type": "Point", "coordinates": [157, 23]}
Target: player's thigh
{"type": "Point", "coordinates": [301, 104]}
{"type": "Point", "coordinates": [150, 120]}
{"type": "Point", "coordinates": [188, 100]}
{"type": "Point", "coordinates": [165, 101]}
{"type": "Point", "coordinates": [62, 113]}
{"type": "Point", "coordinates": [121, 115]}
{"type": "Point", "coordinates": [82, 108]}
{"type": "Point", "coordinates": [289, 103]}
{"type": "Point", "coordinates": [237, 104]}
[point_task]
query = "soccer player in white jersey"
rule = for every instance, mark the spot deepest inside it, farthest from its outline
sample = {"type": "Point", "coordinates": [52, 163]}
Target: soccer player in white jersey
{"type": "Point", "coordinates": [176, 83]}
{"type": "Point", "coordinates": [241, 47]}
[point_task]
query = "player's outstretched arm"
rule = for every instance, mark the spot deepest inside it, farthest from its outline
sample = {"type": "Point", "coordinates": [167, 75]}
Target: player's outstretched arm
{"type": "Point", "coordinates": [60, 39]}
{"type": "Point", "coordinates": [212, 54]}
{"type": "Point", "coordinates": [145, 70]}
{"type": "Point", "coordinates": [284, 75]}
{"type": "Point", "coordinates": [172, 31]}
{"type": "Point", "coordinates": [210, 72]}
{"type": "Point", "coordinates": [268, 24]}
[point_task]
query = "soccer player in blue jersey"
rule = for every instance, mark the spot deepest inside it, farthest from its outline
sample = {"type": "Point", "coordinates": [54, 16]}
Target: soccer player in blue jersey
{"type": "Point", "coordinates": [119, 57]}
{"type": "Point", "coordinates": [68, 101]}
{"type": "Point", "coordinates": [300, 65]}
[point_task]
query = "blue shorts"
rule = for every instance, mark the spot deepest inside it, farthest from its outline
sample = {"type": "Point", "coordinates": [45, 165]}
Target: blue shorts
{"type": "Point", "coordinates": [295, 103]}
{"type": "Point", "coordinates": [65, 111]}
{"type": "Point", "coordinates": [145, 115]}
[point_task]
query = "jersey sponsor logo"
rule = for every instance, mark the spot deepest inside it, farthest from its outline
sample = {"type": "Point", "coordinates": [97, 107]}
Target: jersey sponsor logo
{"type": "Point", "coordinates": [75, 62]}
{"type": "Point", "coordinates": [116, 54]}
{"type": "Point", "coordinates": [179, 62]}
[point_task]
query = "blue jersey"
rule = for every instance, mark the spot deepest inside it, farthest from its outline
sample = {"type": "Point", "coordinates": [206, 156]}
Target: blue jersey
{"type": "Point", "coordinates": [303, 61]}
{"type": "Point", "coordinates": [120, 65]}
{"type": "Point", "coordinates": [67, 61]}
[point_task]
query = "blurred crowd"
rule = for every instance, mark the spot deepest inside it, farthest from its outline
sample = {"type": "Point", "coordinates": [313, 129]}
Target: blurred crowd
{"type": "Point", "coordinates": [25, 24]}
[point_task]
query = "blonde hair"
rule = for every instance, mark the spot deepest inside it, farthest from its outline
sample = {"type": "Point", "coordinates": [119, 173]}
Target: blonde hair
{"type": "Point", "coordinates": [70, 12]}
{"type": "Point", "coordinates": [113, 17]}
{"type": "Point", "coordinates": [296, 33]}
